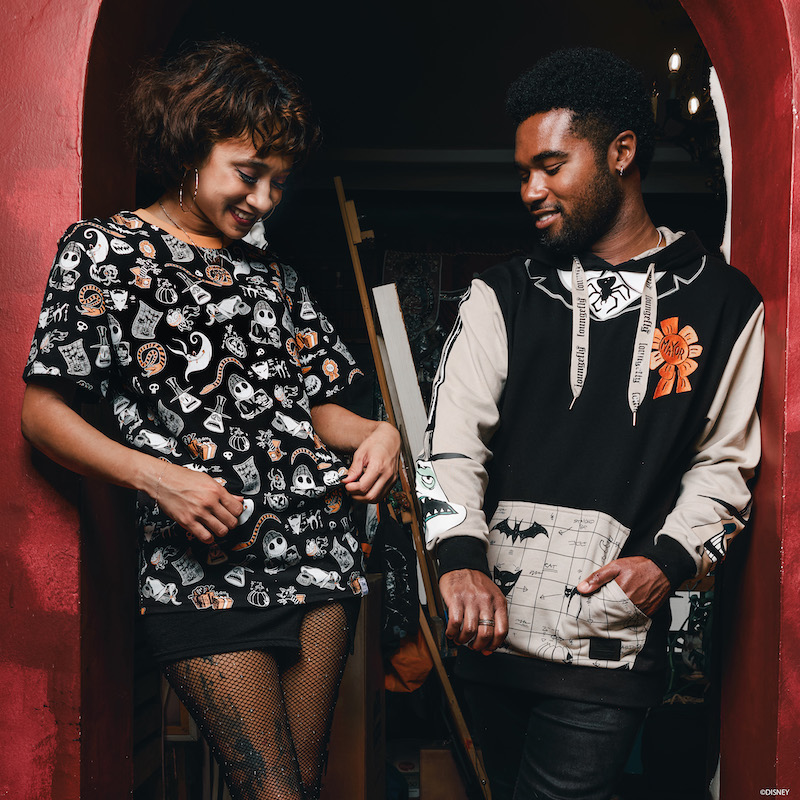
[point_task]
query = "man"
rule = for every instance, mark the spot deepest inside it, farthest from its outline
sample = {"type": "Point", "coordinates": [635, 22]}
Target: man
{"type": "Point", "coordinates": [591, 434]}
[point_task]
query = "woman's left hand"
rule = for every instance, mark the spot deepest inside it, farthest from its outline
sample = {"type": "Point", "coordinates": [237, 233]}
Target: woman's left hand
{"type": "Point", "coordinates": [375, 465]}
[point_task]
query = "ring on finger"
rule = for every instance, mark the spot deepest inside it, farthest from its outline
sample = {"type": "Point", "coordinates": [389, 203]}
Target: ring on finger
{"type": "Point", "coordinates": [488, 622]}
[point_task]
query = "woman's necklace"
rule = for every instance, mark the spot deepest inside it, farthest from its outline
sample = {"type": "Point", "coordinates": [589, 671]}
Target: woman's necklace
{"type": "Point", "coordinates": [200, 250]}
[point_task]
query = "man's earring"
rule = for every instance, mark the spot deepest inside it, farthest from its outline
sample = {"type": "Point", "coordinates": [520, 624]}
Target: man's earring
{"type": "Point", "coordinates": [621, 171]}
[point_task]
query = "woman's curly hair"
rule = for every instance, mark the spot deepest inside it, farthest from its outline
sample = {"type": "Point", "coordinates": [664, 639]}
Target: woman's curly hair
{"type": "Point", "coordinates": [605, 94]}
{"type": "Point", "coordinates": [215, 91]}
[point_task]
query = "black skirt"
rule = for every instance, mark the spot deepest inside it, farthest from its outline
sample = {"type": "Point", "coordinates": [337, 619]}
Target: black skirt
{"type": "Point", "coordinates": [174, 637]}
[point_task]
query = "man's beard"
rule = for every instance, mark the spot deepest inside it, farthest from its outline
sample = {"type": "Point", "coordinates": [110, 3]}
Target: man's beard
{"type": "Point", "coordinates": [591, 217]}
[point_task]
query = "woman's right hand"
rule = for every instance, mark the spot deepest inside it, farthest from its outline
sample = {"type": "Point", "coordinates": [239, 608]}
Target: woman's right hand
{"type": "Point", "coordinates": [193, 499]}
{"type": "Point", "coordinates": [198, 503]}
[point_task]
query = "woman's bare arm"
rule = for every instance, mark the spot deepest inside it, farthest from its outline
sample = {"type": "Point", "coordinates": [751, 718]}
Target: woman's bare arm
{"type": "Point", "coordinates": [193, 499]}
{"type": "Point", "coordinates": [375, 447]}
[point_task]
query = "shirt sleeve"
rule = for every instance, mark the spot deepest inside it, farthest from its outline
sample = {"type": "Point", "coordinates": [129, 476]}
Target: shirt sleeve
{"type": "Point", "coordinates": [714, 500]}
{"type": "Point", "coordinates": [71, 340]}
{"type": "Point", "coordinates": [327, 365]}
{"type": "Point", "coordinates": [464, 414]}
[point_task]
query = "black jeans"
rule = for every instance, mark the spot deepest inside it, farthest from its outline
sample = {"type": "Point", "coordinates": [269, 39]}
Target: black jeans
{"type": "Point", "coordinates": [546, 748]}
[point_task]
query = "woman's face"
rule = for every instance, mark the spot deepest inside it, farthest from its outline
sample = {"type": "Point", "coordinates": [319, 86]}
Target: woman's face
{"type": "Point", "coordinates": [236, 187]}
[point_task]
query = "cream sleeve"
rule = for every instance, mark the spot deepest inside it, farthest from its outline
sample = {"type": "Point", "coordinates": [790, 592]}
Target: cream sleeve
{"type": "Point", "coordinates": [464, 414]}
{"type": "Point", "coordinates": [714, 500]}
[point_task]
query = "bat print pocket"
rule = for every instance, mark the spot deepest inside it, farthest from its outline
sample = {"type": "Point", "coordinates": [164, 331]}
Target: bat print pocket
{"type": "Point", "coordinates": [549, 548]}
{"type": "Point", "coordinates": [538, 555]}
{"type": "Point", "coordinates": [605, 628]}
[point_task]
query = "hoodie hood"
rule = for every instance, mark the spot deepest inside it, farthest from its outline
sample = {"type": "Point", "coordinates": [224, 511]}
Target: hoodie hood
{"type": "Point", "coordinates": [596, 290]}
{"type": "Point", "coordinates": [682, 253]}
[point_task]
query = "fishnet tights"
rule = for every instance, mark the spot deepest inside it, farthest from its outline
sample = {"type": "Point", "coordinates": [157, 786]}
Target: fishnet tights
{"type": "Point", "coordinates": [268, 726]}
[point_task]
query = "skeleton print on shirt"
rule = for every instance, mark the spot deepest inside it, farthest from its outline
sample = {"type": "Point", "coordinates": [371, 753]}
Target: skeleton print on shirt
{"type": "Point", "coordinates": [212, 364]}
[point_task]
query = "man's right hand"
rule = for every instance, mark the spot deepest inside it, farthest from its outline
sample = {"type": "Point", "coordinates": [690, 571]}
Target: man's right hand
{"type": "Point", "coordinates": [471, 596]}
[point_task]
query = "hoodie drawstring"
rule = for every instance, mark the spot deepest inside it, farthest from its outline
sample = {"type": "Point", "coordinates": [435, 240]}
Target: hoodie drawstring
{"type": "Point", "coordinates": [640, 363]}
{"type": "Point", "coordinates": [580, 330]}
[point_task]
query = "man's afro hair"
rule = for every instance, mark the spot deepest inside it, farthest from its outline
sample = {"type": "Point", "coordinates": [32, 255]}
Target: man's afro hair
{"type": "Point", "coordinates": [605, 94]}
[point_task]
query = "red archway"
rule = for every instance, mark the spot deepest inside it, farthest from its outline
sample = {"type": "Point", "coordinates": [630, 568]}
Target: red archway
{"type": "Point", "coordinates": [66, 719]}
{"type": "Point", "coordinates": [66, 662]}
{"type": "Point", "coordinates": [754, 47]}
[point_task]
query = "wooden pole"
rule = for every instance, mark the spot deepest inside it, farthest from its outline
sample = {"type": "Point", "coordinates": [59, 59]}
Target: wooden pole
{"type": "Point", "coordinates": [355, 236]}
{"type": "Point", "coordinates": [455, 710]}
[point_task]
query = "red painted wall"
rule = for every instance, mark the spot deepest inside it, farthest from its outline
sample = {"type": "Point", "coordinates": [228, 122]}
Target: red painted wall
{"type": "Point", "coordinates": [66, 654]}
{"type": "Point", "coordinates": [788, 758]}
{"type": "Point", "coordinates": [109, 554]}
{"type": "Point", "coordinates": [754, 47]}
{"type": "Point", "coordinates": [42, 70]}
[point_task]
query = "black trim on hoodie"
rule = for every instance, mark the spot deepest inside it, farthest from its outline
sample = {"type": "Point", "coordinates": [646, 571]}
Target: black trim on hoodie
{"type": "Point", "coordinates": [549, 484]}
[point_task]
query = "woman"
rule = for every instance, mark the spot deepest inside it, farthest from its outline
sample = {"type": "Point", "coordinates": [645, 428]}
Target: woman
{"type": "Point", "coordinates": [223, 375]}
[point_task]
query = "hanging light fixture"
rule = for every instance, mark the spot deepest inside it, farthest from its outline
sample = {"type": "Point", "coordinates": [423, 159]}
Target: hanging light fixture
{"type": "Point", "coordinates": [674, 62]}
{"type": "Point", "coordinates": [693, 105]}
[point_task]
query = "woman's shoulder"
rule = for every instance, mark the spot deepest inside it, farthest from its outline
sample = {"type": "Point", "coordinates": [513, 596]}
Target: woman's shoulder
{"type": "Point", "coordinates": [89, 231]}
{"type": "Point", "coordinates": [265, 260]}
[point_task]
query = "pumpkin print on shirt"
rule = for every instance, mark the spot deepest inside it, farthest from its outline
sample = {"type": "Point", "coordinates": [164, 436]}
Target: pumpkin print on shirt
{"type": "Point", "coordinates": [210, 360]}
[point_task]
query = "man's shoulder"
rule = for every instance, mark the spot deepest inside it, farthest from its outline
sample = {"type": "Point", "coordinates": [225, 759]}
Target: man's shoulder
{"type": "Point", "coordinates": [731, 277]}
{"type": "Point", "coordinates": [523, 285]}
{"type": "Point", "coordinates": [707, 276]}
{"type": "Point", "coordinates": [511, 275]}
{"type": "Point", "coordinates": [505, 270]}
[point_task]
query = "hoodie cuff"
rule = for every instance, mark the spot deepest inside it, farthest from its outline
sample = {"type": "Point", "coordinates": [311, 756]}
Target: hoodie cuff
{"type": "Point", "coordinates": [462, 552]}
{"type": "Point", "coordinates": [671, 558]}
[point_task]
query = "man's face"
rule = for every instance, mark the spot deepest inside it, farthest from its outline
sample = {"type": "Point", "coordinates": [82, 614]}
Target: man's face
{"type": "Point", "coordinates": [571, 194]}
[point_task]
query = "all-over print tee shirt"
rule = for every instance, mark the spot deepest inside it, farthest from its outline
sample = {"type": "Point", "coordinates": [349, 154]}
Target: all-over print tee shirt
{"type": "Point", "coordinates": [210, 359]}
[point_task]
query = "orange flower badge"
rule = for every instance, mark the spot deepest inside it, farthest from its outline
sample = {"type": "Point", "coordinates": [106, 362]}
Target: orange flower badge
{"type": "Point", "coordinates": [673, 356]}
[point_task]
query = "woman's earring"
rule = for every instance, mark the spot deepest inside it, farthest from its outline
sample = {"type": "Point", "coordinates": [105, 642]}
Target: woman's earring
{"type": "Point", "coordinates": [180, 192]}
{"type": "Point", "coordinates": [180, 188]}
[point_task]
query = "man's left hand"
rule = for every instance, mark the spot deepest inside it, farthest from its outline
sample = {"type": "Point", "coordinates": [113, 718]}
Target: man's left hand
{"type": "Point", "coordinates": [640, 578]}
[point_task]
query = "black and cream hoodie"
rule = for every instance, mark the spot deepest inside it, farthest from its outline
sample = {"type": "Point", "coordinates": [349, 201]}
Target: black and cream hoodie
{"type": "Point", "coordinates": [583, 413]}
